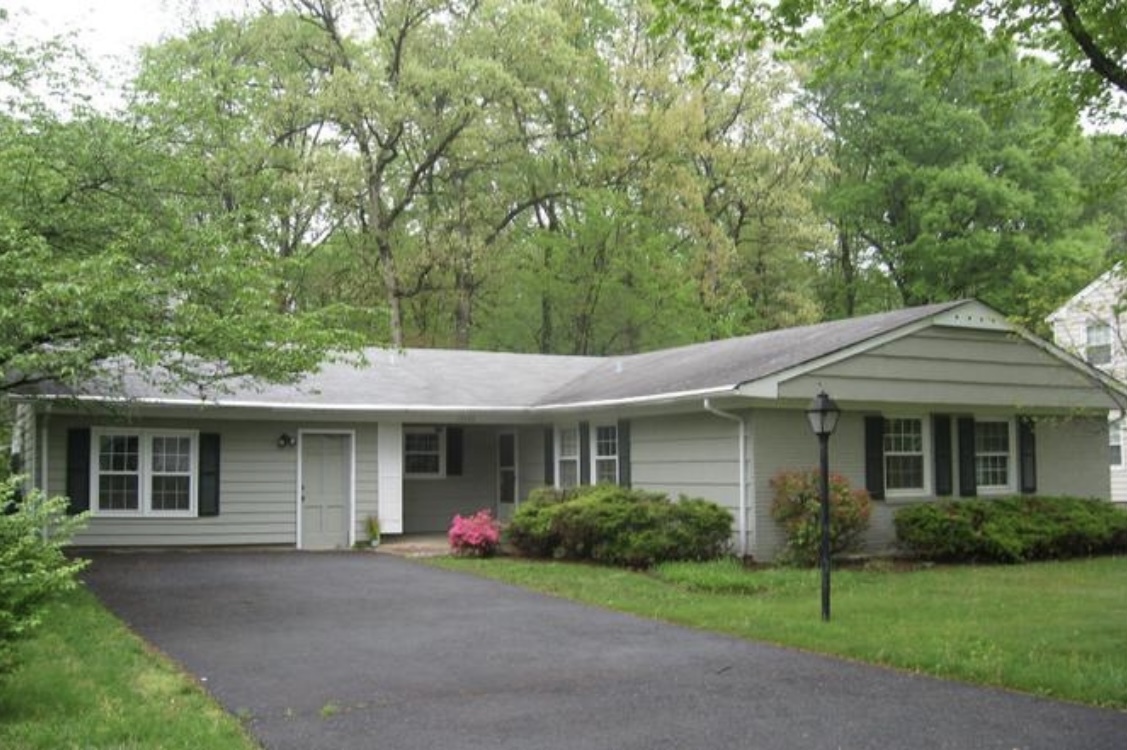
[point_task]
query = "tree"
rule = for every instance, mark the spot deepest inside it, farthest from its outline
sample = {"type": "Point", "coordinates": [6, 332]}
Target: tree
{"type": "Point", "coordinates": [1086, 41]}
{"type": "Point", "coordinates": [947, 193]}
{"type": "Point", "coordinates": [100, 268]}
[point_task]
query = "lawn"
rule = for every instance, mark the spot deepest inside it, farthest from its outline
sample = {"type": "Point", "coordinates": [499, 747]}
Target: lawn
{"type": "Point", "coordinates": [1053, 629]}
{"type": "Point", "coordinates": [86, 682]}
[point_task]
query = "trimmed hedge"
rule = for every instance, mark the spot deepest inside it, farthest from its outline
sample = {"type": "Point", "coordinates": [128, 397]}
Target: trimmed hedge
{"type": "Point", "coordinates": [1012, 529]}
{"type": "Point", "coordinates": [618, 526]}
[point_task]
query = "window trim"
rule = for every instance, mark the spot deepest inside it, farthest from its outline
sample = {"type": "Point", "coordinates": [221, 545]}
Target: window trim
{"type": "Point", "coordinates": [1115, 429]}
{"type": "Point", "coordinates": [927, 455]}
{"type": "Point", "coordinates": [1012, 457]}
{"type": "Point", "coordinates": [422, 429]}
{"type": "Point", "coordinates": [144, 472]}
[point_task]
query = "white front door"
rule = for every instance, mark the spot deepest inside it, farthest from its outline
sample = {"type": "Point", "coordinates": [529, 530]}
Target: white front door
{"type": "Point", "coordinates": [506, 475]}
{"type": "Point", "coordinates": [326, 490]}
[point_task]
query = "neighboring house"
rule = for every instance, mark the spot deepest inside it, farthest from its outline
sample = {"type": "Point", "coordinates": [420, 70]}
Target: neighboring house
{"type": "Point", "coordinates": [1091, 325]}
{"type": "Point", "coordinates": [948, 400]}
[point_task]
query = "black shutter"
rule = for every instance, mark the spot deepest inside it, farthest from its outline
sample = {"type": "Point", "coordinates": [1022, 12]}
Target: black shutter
{"type": "Point", "coordinates": [549, 457]}
{"type": "Point", "coordinates": [78, 469]}
{"type": "Point", "coordinates": [968, 486]}
{"type": "Point", "coordinates": [1027, 455]}
{"type": "Point", "coordinates": [941, 451]}
{"type": "Point", "coordinates": [454, 440]}
{"type": "Point", "coordinates": [624, 452]}
{"type": "Point", "coordinates": [584, 453]}
{"type": "Point", "coordinates": [874, 457]}
{"type": "Point", "coordinates": [209, 474]}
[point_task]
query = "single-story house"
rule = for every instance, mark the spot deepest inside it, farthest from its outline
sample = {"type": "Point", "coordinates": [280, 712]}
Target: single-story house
{"type": "Point", "coordinates": [946, 400]}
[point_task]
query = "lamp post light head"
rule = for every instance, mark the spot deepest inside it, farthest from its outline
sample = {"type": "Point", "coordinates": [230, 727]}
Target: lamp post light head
{"type": "Point", "coordinates": [823, 414]}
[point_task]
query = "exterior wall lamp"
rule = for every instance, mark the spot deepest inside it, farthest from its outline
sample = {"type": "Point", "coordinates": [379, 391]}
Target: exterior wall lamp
{"type": "Point", "coordinates": [286, 440]}
{"type": "Point", "coordinates": [823, 414]}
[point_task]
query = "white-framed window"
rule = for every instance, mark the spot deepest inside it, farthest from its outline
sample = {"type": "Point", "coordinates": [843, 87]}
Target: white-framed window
{"type": "Point", "coordinates": [424, 452]}
{"type": "Point", "coordinates": [567, 456]}
{"type": "Point", "coordinates": [150, 472]}
{"type": "Point", "coordinates": [605, 440]}
{"type": "Point", "coordinates": [905, 451]}
{"type": "Point", "coordinates": [1097, 345]}
{"type": "Point", "coordinates": [993, 454]}
{"type": "Point", "coordinates": [1115, 443]}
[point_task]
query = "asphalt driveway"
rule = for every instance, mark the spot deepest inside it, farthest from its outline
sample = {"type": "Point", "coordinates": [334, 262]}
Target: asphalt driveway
{"type": "Point", "coordinates": [349, 650]}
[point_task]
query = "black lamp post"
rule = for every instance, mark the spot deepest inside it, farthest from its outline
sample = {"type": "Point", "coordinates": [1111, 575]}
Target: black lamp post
{"type": "Point", "coordinates": [823, 414]}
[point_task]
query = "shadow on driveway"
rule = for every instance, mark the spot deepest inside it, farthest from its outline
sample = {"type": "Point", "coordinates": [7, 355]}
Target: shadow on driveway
{"type": "Point", "coordinates": [347, 650]}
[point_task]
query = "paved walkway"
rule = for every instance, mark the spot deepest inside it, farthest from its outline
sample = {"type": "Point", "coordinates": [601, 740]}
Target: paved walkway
{"type": "Point", "coordinates": [347, 650]}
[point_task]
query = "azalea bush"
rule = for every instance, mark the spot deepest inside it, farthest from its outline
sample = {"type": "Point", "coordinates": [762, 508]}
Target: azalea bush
{"type": "Point", "coordinates": [478, 535]}
{"type": "Point", "coordinates": [797, 508]}
{"type": "Point", "coordinates": [33, 567]}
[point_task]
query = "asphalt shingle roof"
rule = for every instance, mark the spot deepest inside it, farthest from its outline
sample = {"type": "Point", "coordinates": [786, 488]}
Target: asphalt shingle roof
{"type": "Point", "coordinates": [456, 379]}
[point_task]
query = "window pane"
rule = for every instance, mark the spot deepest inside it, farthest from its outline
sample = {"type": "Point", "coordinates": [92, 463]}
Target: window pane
{"type": "Point", "coordinates": [118, 453]}
{"type": "Point", "coordinates": [172, 455]}
{"type": "Point", "coordinates": [421, 442]}
{"type": "Point", "coordinates": [171, 493]}
{"type": "Point", "coordinates": [569, 472]}
{"type": "Point", "coordinates": [569, 441]}
{"type": "Point", "coordinates": [118, 492]}
{"type": "Point", "coordinates": [606, 471]}
{"type": "Point", "coordinates": [991, 471]}
{"type": "Point", "coordinates": [606, 441]}
{"type": "Point", "coordinates": [1115, 442]}
{"type": "Point", "coordinates": [904, 472]}
{"type": "Point", "coordinates": [991, 437]}
{"type": "Point", "coordinates": [507, 451]}
{"type": "Point", "coordinates": [421, 463]}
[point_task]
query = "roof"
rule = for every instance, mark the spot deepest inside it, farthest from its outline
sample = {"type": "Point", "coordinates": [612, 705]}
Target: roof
{"type": "Point", "coordinates": [422, 380]}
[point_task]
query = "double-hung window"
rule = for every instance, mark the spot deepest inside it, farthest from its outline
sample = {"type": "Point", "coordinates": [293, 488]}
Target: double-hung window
{"type": "Point", "coordinates": [606, 454]}
{"type": "Point", "coordinates": [992, 450]}
{"type": "Point", "coordinates": [424, 452]}
{"type": "Point", "coordinates": [567, 457]}
{"type": "Point", "coordinates": [1097, 347]}
{"type": "Point", "coordinates": [144, 472]}
{"type": "Point", "coordinates": [904, 464]}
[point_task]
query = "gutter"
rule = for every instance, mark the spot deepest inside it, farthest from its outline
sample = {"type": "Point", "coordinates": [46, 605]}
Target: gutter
{"type": "Point", "coordinates": [742, 442]}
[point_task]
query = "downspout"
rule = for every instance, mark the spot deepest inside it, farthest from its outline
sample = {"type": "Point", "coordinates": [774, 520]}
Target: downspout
{"type": "Point", "coordinates": [742, 520]}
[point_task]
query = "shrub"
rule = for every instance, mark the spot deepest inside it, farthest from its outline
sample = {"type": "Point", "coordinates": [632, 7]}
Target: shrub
{"type": "Point", "coordinates": [1012, 529]}
{"type": "Point", "coordinates": [33, 531]}
{"type": "Point", "coordinates": [797, 507]}
{"type": "Point", "coordinates": [478, 534]}
{"type": "Point", "coordinates": [619, 526]}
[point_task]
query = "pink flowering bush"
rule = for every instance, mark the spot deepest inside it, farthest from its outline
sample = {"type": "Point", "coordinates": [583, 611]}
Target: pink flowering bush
{"type": "Point", "coordinates": [477, 535]}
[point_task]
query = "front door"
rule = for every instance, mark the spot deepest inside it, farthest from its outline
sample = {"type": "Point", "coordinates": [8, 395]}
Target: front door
{"type": "Point", "coordinates": [506, 475]}
{"type": "Point", "coordinates": [326, 490]}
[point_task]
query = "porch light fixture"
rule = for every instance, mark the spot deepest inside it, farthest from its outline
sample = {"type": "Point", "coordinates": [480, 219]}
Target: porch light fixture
{"type": "Point", "coordinates": [823, 414]}
{"type": "Point", "coordinates": [285, 440]}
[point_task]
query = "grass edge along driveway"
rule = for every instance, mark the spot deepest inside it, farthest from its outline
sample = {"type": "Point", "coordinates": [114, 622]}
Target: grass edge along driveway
{"type": "Point", "coordinates": [1051, 629]}
{"type": "Point", "coordinates": [86, 681]}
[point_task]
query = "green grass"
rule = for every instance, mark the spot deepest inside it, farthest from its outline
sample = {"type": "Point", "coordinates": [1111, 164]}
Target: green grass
{"type": "Point", "coordinates": [86, 682]}
{"type": "Point", "coordinates": [1053, 629]}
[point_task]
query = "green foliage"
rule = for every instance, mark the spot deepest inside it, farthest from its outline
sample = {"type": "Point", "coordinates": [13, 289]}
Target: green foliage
{"type": "Point", "coordinates": [33, 567]}
{"type": "Point", "coordinates": [1012, 529]}
{"type": "Point", "coordinates": [619, 526]}
{"type": "Point", "coordinates": [797, 507]}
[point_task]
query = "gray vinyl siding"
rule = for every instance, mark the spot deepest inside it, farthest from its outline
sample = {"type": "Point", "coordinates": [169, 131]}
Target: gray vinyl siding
{"type": "Point", "coordinates": [258, 489]}
{"type": "Point", "coordinates": [429, 505]}
{"type": "Point", "coordinates": [530, 460]}
{"type": "Point", "coordinates": [1072, 457]}
{"type": "Point", "coordinates": [953, 366]}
